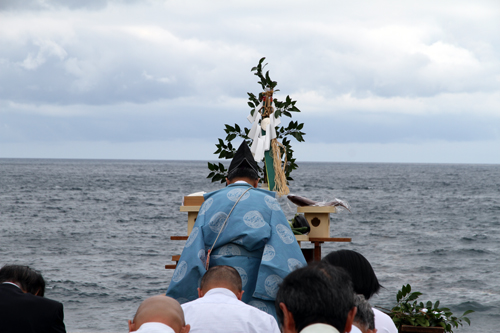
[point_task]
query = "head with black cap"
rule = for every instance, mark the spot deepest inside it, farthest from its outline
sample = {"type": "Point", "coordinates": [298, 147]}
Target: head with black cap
{"type": "Point", "coordinates": [243, 167]}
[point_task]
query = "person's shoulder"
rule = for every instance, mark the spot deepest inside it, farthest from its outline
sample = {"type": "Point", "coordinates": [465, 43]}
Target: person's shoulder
{"type": "Point", "coordinates": [256, 311]}
{"type": "Point", "coordinates": [384, 323]}
{"type": "Point", "coordinates": [14, 291]}
{"type": "Point", "coordinates": [188, 305]}
{"type": "Point", "coordinates": [43, 301]}
{"type": "Point", "coordinates": [52, 302]}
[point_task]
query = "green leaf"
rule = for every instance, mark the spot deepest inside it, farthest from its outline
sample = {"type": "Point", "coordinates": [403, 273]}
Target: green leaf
{"type": "Point", "coordinates": [268, 79]}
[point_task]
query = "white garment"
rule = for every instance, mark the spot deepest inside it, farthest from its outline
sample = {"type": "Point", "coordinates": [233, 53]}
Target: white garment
{"type": "Point", "coordinates": [12, 283]}
{"type": "Point", "coordinates": [219, 310]}
{"type": "Point", "coordinates": [154, 328]}
{"type": "Point", "coordinates": [319, 328]}
{"type": "Point", "coordinates": [355, 329]}
{"type": "Point", "coordinates": [384, 323]}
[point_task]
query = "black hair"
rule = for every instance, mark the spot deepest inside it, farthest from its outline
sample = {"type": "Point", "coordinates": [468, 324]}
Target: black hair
{"type": "Point", "coordinates": [242, 173]}
{"type": "Point", "coordinates": [318, 293]}
{"type": "Point", "coordinates": [364, 316]}
{"type": "Point", "coordinates": [222, 273]}
{"type": "Point", "coordinates": [30, 280]}
{"type": "Point", "coordinates": [363, 277]}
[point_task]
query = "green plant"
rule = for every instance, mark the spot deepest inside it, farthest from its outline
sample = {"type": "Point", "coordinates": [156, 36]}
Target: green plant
{"type": "Point", "coordinates": [225, 148]}
{"type": "Point", "coordinates": [408, 311]}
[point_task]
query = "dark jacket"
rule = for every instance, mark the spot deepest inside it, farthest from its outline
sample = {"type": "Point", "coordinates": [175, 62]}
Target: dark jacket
{"type": "Point", "coordinates": [27, 313]}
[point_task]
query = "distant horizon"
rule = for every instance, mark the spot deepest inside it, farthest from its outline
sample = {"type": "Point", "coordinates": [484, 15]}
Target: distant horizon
{"type": "Point", "coordinates": [228, 161]}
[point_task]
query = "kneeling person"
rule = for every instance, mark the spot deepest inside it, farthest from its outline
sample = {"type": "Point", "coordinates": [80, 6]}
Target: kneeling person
{"type": "Point", "coordinates": [241, 226]}
{"type": "Point", "coordinates": [220, 309]}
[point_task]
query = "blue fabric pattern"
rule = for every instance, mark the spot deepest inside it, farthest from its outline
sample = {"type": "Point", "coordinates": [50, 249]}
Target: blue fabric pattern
{"type": "Point", "coordinates": [257, 241]}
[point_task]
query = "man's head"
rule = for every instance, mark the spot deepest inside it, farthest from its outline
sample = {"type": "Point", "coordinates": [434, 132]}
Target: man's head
{"type": "Point", "coordinates": [28, 279]}
{"type": "Point", "coordinates": [363, 277]}
{"type": "Point", "coordinates": [318, 293]}
{"type": "Point", "coordinates": [160, 309]}
{"type": "Point", "coordinates": [221, 277]}
{"type": "Point", "coordinates": [246, 174]}
{"type": "Point", "coordinates": [365, 318]}
{"type": "Point", "coordinates": [243, 167]}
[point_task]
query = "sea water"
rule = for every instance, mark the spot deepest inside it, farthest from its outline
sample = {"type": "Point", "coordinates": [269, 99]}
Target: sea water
{"type": "Point", "coordinates": [99, 230]}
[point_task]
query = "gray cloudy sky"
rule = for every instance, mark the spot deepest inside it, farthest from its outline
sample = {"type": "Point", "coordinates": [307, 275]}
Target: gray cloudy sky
{"type": "Point", "coordinates": [376, 81]}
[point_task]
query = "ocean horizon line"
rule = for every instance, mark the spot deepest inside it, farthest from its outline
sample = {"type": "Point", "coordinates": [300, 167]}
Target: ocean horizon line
{"type": "Point", "coordinates": [228, 161]}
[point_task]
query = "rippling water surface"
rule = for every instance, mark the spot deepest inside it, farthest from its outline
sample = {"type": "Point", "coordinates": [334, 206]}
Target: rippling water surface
{"type": "Point", "coordinates": [100, 230]}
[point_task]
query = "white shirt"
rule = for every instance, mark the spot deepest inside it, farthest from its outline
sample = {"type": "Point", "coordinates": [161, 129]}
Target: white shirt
{"type": "Point", "coordinates": [355, 329]}
{"type": "Point", "coordinates": [319, 328]}
{"type": "Point", "coordinates": [154, 328]}
{"type": "Point", "coordinates": [221, 311]}
{"type": "Point", "coordinates": [384, 323]}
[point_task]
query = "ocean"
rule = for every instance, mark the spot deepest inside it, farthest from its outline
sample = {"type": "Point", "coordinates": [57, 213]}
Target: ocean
{"type": "Point", "coordinates": [99, 230]}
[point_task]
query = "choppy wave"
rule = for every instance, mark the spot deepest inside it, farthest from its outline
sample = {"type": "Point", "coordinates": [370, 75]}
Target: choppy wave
{"type": "Point", "coordinates": [100, 230]}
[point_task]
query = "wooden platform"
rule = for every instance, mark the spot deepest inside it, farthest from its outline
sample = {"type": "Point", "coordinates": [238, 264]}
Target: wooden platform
{"type": "Point", "coordinates": [313, 254]}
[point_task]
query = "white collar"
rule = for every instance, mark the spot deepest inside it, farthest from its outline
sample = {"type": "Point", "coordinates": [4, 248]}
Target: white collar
{"type": "Point", "coordinates": [223, 291]}
{"type": "Point", "coordinates": [12, 283]}
{"type": "Point", "coordinates": [154, 327]}
{"type": "Point", "coordinates": [319, 328]}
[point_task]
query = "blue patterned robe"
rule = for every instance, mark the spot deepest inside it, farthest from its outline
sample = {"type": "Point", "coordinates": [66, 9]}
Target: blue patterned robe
{"type": "Point", "coordinates": [257, 241]}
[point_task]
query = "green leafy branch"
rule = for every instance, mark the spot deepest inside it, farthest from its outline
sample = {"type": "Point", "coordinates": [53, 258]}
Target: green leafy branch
{"type": "Point", "coordinates": [408, 311]}
{"type": "Point", "coordinates": [226, 150]}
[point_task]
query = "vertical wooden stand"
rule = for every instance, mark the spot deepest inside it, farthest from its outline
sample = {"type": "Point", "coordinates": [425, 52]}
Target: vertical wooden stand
{"type": "Point", "coordinates": [319, 220]}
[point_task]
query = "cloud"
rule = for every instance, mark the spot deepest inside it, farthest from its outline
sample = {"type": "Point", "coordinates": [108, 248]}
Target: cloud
{"type": "Point", "coordinates": [46, 5]}
{"type": "Point", "coordinates": [134, 71]}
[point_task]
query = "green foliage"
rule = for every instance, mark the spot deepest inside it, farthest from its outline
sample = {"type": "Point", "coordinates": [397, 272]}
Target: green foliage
{"type": "Point", "coordinates": [408, 311]}
{"type": "Point", "coordinates": [226, 150]}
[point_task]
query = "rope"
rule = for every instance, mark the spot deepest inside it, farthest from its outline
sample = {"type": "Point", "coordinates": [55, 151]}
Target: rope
{"type": "Point", "coordinates": [268, 109]}
{"type": "Point", "coordinates": [280, 183]}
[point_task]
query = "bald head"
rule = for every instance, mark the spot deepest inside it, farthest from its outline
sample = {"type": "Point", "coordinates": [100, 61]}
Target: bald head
{"type": "Point", "coordinates": [160, 309]}
{"type": "Point", "coordinates": [221, 277]}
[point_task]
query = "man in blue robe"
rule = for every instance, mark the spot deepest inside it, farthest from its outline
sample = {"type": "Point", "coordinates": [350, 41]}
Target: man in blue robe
{"type": "Point", "coordinates": [244, 227]}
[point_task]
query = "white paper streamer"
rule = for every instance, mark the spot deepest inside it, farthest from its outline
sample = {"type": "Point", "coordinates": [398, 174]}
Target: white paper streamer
{"type": "Point", "coordinates": [255, 142]}
{"type": "Point", "coordinates": [267, 138]}
{"type": "Point", "coordinates": [255, 130]}
{"type": "Point", "coordinates": [262, 143]}
{"type": "Point", "coordinates": [274, 120]}
{"type": "Point", "coordinates": [259, 153]}
{"type": "Point", "coordinates": [255, 113]}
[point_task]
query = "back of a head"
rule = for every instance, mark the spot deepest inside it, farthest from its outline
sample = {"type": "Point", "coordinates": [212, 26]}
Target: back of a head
{"type": "Point", "coordinates": [318, 293]}
{"type": "Point", "coordinates": [365, 318]}
{"type": "Point", "coordinates": [363, 277]}
{"type": "Point", "coordinates": [160, 309]}
{"type": "Point", "coordinates": [221, 277]}
{"type": "Point", "coordinates": [243, 164]}
{"type": "Point", "coordinates": [239, 173]}
{"type": "Point", "coordinates": [30, 280]}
